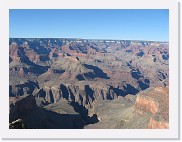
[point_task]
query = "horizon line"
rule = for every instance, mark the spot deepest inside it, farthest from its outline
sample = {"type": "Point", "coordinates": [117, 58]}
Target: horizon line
{"type": "Point", "coordinates": [90, 39]}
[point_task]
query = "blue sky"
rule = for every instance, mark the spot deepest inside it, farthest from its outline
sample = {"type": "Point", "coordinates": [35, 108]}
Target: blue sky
{"type": "Point", "coordinates": [90, 24]}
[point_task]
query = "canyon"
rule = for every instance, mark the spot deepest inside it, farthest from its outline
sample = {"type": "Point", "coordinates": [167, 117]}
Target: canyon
{"type": "Point", "coordinates": [64, 83]}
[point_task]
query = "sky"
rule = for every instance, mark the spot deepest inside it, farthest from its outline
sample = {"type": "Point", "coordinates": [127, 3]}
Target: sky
{"type": "Point", "coordinates": [119, 24]}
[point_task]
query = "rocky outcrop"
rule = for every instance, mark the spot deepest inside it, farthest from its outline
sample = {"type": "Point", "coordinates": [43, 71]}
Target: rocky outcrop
{"type": "Point", "coordinates": [17, 124]}
{"type": "Point", "coordinates": [147, 104]}
{"type": "Point", "coordinates": [13, 52]}
{"type": "Point", "coordinates": [85, 95]}
{"type": "Point", "coordinates": [154, 124]}
{"type": "Point", "coordinates": [24, 113]}
{"type": "Point", "coordinates": [20, 106]}
{"type": "Point", "coordinates": [156, 102]}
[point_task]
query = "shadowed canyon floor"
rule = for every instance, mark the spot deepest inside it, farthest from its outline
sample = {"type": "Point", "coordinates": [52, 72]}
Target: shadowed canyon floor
{"type": "Point", "coordinates": [61, 83]}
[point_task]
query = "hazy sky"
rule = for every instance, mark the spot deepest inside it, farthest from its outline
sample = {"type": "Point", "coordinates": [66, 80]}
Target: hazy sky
{"type": "Point", "coordinates": [91, 24]}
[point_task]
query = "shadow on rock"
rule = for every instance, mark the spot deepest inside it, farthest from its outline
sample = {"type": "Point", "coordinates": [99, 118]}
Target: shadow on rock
{"type": "Point", "coordinates": [35, 117]}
